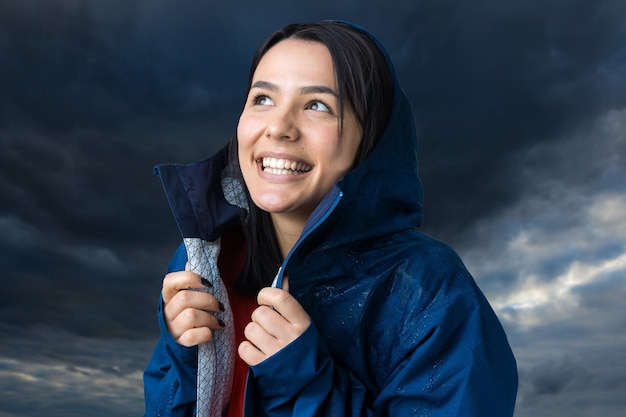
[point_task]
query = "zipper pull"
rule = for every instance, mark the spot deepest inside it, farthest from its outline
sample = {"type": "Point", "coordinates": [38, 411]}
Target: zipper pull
{"type": "Point", "coordinates": [278, 279]}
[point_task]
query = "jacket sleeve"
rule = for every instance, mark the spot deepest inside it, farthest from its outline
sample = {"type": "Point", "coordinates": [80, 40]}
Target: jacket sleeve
{"type": "Point", "coordinates": [302, 380]}
{"type": "Point", "coordinates": [454, 362]}
{"type": "Point", "coordinates": [170, 376]}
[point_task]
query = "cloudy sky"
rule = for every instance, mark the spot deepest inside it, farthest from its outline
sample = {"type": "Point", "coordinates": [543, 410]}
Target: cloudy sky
{"type": "Point", "coordinates": [521, 108]}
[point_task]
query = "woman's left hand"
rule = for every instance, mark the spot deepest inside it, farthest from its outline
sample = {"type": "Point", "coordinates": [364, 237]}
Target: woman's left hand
{"type": "Point", "coordinates": [271, 329]}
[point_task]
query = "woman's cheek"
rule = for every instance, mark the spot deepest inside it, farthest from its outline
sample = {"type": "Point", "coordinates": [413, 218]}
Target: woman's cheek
{"type": "Point", "coordinates": [249, 127]}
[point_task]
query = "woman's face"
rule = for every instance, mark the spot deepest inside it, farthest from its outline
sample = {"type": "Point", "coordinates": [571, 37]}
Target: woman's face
{"type": "Point", "coordinates": [289, 147]}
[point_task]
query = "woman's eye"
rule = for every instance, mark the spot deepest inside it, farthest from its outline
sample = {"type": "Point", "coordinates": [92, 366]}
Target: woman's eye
{"type": "Point", "coordinates": [319, 106]}
{"type": "Point", "coordinates": [262, 100]}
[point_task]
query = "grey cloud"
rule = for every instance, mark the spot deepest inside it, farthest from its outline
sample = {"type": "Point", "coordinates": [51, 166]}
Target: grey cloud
{"type": "Point", "coordinates": [489, 82]}
{"type": "Point", "coordinates": [607, 290]}
{"type": "Point", "coordinates": [88, 66]}
{"type": "Point", "coordinates": [562, 383]}
{"type": "Point", "coordinates": [47, 371]}
{"type": "Point", "coordinates": [551, 378]}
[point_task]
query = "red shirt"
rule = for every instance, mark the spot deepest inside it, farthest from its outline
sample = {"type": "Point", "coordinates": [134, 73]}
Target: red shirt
{"type": "Point", "coordinates": [231, 260]}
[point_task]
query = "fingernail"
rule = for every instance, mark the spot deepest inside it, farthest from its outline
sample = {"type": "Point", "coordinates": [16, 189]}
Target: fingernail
{"type": "Point", "coordinates": [205, 282]}
{"type": "Point", "coordinates": [221, 306]}
{"type": "Point", "coordinates": [221, 323]}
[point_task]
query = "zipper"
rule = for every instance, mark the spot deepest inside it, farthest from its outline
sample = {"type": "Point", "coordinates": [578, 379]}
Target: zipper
{"type": "Point", "coordinates": [278, 279]}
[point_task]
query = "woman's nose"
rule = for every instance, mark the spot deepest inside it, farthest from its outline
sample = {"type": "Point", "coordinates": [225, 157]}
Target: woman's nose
{"type": "Point", "coordinates": [282, 126]}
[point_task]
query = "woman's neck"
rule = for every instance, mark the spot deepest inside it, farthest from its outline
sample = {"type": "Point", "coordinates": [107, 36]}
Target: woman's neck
{"type": "Point", "coordinates": [288, 227]}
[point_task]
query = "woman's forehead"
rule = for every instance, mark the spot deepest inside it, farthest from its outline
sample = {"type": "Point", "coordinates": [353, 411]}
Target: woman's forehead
{"type": "Point", "coordinates": [294, 59]}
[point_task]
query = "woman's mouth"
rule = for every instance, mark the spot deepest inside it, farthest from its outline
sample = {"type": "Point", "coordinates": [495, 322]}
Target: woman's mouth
{"type": "Point", "coordinates": [284, 166]}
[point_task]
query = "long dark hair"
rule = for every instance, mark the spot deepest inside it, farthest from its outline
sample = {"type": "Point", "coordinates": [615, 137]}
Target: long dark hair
{"type": "Point", "coordinates": [363, 78]}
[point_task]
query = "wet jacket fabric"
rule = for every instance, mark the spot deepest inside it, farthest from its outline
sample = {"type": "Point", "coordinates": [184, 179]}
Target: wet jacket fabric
{"type": "Point", "coordinates": [399, 326]}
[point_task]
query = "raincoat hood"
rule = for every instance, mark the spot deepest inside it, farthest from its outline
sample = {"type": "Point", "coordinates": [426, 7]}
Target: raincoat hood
{"type": "Point", "coordinates": [385, 190]}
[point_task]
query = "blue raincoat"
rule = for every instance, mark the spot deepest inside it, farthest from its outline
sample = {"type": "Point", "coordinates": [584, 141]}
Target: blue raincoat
{"type": "Point", "coordinates": [400, 328]}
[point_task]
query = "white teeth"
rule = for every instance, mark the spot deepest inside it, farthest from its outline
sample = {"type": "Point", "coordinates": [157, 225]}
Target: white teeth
{"type": "Point", "coordinates": [284, 166]}
{"type": "Point", "coordinates": [277, 171]}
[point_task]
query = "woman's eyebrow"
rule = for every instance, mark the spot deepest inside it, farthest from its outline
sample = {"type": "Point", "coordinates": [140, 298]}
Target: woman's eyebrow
{"type": "Point", "coordinates": [317, 89]}
{"type": "Point", "coordinates": [312, 89]}
{"type": "Point", "coordinates": [266, 85]}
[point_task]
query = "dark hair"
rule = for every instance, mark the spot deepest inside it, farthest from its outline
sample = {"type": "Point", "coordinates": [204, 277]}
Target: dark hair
{"type": "Point", "coordinates": [363, 78]}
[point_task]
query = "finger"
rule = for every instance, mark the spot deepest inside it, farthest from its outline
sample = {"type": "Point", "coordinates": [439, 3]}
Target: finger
{"type": "Point", "coordinates": [199, 300]}
{"type": "Point", "coordinates": [194, 337]}
{"type": "Point", "coordinates": [193, 319]}
{"type": "Point", "coordinates": [182, 280]}
{"type": "Point", "coordinates": [285, 285]}
{"type": "Point", "coordinates": [272, 323]}
{"type": "Point", "coordinates": [262, 339]}
{"type": "Point", "coordinates": [285, 304]}
{"type": "Point", "coordinates": [250, 354]}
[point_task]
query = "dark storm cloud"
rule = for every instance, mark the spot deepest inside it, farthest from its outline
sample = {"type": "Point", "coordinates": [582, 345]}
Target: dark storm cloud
{"type": "Point", "coordinates": [88, 106]}
{"type": "Point", "coordinates": [490, 80]}
{"type": "Point", "coordinates": [79, 228]}
{"type": "Point", "coordinates": [607, 290]}
{"type": "Point", "coordinates": [57, 73]}
{"type": "Point", "coordinates": [59, 374]}
{"type": "Point", "coordinates": [551, 378]}
{"type": "Point", "coordinates": [574, 376]}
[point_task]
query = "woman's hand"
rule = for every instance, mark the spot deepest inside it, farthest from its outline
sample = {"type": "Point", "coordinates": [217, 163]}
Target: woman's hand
{"type": "Point", "coordinates": [187, 311]}
{"type": "Point", "coordinates": [271, 329]}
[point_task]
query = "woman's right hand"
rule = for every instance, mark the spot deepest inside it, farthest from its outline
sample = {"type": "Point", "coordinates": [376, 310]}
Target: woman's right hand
{"type": "Point", "coordinates": [188, 312]}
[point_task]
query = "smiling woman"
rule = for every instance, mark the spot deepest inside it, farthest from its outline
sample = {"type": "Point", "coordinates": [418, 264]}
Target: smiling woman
{"type": "Point", "coordinates": [301, 252]}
